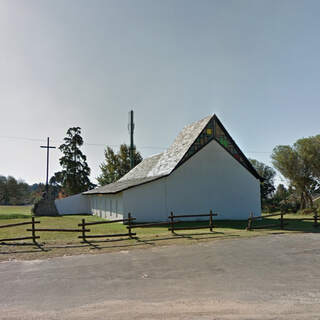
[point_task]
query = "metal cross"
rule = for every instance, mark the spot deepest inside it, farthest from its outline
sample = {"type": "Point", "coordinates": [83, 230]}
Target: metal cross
{"type": "Point", "coordinates": [47, 147]}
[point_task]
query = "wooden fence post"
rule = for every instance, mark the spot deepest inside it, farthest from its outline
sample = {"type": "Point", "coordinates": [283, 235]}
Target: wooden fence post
{"type": "Point", "coordinates": [249, 227]}
{"type": "Point", "coordinates": [33, 230]}
{"type": "Point", "coordinates": [315, 218]}
{"type": "Point", "coordinates": [83, 230]}
{"type": "Point", "coordinates": [211, 221]}
{"type": "Point", "coordinates": [281, 221]}
{"type": "Point", "coordinates": [171, 222]}
{"type": "Point", "coordinates": [129, 225]}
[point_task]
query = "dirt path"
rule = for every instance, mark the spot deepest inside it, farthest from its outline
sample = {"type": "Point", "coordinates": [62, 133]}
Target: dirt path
{"type": "Point", "coordinates": [274, 277]}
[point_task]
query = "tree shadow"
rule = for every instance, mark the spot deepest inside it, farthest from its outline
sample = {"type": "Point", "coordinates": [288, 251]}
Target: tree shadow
{"type": "Point", "coordinates": [36, 245]}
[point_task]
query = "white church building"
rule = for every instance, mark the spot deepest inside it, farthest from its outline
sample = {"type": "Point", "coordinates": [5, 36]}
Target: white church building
{"type": "Point", "coordinates": [203, 169]}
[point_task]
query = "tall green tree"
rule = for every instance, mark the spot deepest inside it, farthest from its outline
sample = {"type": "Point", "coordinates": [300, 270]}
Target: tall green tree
{"type": "Point", "coordinates": [309, 150]}
{"type": "Point", "coordinates": [268, 174]}
{"type": "Point", "coordinates": [281, 193]}
{"type": "Point", "coordinates": [116, 165]}
{"type": "Point", "coordinates": [13, 192]}
{"type": "Point", "coordinates": [299, 164]}
{"type": "Point", "coordinates": [4, 195]}
{"type": "Point", "coordinates": [74, 176]}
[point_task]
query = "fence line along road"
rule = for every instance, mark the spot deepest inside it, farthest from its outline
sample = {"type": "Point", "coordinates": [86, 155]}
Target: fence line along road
{"type": "Point", "coordinates": [83, 229]}
{"type": "Point", "coordinates": [251, 219]}
{"type": "Point", "coordinates": [173, 228]}
{"type": "Point", "coordinates": [33, 236]}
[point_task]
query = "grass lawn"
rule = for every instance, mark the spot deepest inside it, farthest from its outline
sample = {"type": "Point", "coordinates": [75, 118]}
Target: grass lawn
{"type": "Point", "coordinates": [65, 243]}
{"type": "Point", "coordinates": [15, 212]}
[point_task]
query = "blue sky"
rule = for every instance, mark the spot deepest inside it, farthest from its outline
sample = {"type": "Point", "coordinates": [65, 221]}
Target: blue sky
{"type": "Point", "coordinates": [87, 63]}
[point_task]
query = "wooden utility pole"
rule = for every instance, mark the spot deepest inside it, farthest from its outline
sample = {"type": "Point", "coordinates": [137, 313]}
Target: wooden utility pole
{"type": "Point", "coordinates": [47, 177]}
{"type": "Point", "coordinates": [131, 130]}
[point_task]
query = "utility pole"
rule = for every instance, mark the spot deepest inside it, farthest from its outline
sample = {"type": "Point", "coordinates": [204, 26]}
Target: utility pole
{"type": "Point", "coordinates": [47, 147]}
{"type": "Point", "coordinates": [131, 130]}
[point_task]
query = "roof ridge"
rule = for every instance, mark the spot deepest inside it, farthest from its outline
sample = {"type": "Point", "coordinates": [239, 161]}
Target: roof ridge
{"type": "Point", "coordinates": [172, 156]}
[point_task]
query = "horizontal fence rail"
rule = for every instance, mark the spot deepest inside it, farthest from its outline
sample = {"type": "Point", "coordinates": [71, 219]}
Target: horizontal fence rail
{"type": "Point", "coordinates": [149, 225]}
{"type": "Point", "coordinates": [33, 236]}
{"type": "Point", "coordinates": [265, 216]}
{"type": "Point", "coordinates": [22, 238]}
{"type": "Point", "coordinates": [172, 223]}
{"type": "Point", "coordinates": [108, 235]}
{"type": "Point", "coordinates": [315, 218]}
{"type": "Point", "coordinates": [58, 230]}
{"type": "Point", "coordinates": [252, 218]}
{"type": "Point", "coordinates": [18, 224]}
{"type": "Point", "coordinates": [83, 229]}
{"type": "Point", "coordinates": [104, 222]}
{"type": "Point", "coordinates": [194, 215]}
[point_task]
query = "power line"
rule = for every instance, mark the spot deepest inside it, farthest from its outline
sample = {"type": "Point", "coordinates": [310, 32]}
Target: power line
{"type": "Point", "coordinates": [22, 138]}
{"type": "Point", "coordinates": [258, 151]}
{"type": "Point", "coordinates": [103, 144]}
{"type": "Point", "coordinates": [85, 143]}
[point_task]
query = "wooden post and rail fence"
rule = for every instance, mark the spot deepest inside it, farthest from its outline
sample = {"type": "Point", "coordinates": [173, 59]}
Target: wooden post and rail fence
{"type": "Point", "coordinates": [172, 222]}
{"type": "Point", "coordinates": [84, 224]}
{"type": "Point", "coordinates": [251, 219]}
{"type": "Point", "coordinates": [33, 236]}
{"type": "Point", "coordinates": [84, 230]}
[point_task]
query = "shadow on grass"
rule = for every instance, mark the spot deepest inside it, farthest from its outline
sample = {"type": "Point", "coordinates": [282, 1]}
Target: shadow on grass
{"type": "Point", "coordinates": [37, 247]}
{"type": "Point", "coordinates": [231, 224]}
{"type": "Point", "coordinates": [292, 225]}
{"type": "Point", "coordinates": [240, 225]}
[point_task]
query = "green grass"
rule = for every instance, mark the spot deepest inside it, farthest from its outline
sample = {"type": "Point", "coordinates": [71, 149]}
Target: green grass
{"type": "Point", "coordinates": [61, 243]}
{"type": "Point", "coordinates": [15, 212]}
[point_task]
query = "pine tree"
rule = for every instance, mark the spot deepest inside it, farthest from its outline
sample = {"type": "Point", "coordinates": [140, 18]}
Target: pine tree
{"type": "Point", "coordinates": [116, 165]}
{"type": "Point", "coordinates": [74, 177]}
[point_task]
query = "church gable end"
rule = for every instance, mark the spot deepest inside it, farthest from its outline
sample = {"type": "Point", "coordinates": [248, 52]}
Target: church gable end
{"type": "Point", "coordinates": [214, 130]}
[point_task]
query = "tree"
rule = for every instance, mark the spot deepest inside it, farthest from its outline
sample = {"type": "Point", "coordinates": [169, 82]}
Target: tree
{"type": "Point", "coordinates": [299, 164]}
{"type": "Point", "coordinates": [268, 174]}
{"type": "Point", "coordinates": [116, 165]}
{"type": "Point", "coordinates": [4, 195]}
{"type": "Point", "coordinates": [74, 177]}
{"type": "Point", "coordinates": [13, 192]}
{"type": "Point", "coordinates": [281, 193]}
{"type": "Point", "coordinates": [309, 149]}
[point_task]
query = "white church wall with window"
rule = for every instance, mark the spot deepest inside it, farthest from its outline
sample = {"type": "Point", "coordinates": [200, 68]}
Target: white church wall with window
{"type": "Point", "coordinates": [107, 206]}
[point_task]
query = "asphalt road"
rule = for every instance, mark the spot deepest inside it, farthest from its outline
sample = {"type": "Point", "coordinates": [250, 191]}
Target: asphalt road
{"type": "Point", "coordinates": [272, 277]}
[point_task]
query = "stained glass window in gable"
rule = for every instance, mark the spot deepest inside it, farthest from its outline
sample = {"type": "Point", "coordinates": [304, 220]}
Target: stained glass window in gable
{"type": "Point", "coordinates": [205, 136]}
{"type": "Point", "coordinates": [224, 140]}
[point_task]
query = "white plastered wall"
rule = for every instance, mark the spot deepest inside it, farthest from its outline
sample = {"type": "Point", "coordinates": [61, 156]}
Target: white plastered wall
{"type": "Point", "coordinates": [76, 204]}
{"type": "Point", "coordinates": [108, 206]}
{"type": "Point", "coordinates": [147, 202]}
{"type": "Point", "coordinates": [213, 179]}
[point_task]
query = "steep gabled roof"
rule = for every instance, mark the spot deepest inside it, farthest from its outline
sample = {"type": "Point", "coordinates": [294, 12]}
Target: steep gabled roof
{"type": "Point", "coordinates": [190, 140]}
{"type": "Point", "coordinates": [143, 169]}
{"type": "Point", "coordinates": [170, 158]}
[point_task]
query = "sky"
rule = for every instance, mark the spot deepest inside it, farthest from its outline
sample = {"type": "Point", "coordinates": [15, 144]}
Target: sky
{"type": "Point", "coordinates": [87, 63]}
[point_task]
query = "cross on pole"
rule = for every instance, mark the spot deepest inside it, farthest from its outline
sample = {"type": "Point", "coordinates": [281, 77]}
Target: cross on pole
{"type": "Point", "coordinates": [47, 147]}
